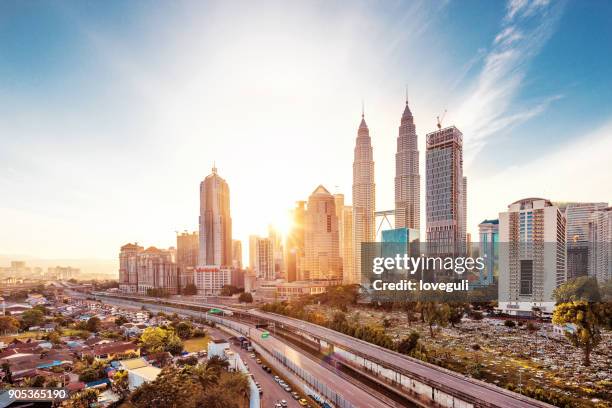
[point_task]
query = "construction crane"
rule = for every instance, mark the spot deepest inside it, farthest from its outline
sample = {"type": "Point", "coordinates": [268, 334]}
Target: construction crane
{"type": "Point", "coordinates": [440, 119]}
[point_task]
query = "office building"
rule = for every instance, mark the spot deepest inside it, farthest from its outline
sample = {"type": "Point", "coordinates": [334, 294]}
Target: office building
{"type": "Point", "coordinates": [407, 178]}
{"type": "Point", "coordinates": [215, 222]}
{"type": "Point", "coordinates": [488, 233]}
{"type": "Point", "coordinates": [578, 216]}
{"type": "Point", "coordinates": [128, 267]}
{"type": "Point", "coordinates": [156, 270]}
{"type": "Point", "coordinates": [349, 277]}
{"type": "Point", "coordinates": [237, 254]}
{"type": "Point", "coordinates": [364, 193]}
{"type": "Point", "coordinates": [294, 245]}
{"type": "Point", "coordinates": [187, 250]}
{"type": "Point", "coordinates": [209, 280]}
{"type": "Point", "coordinates": [445, 191]}
{"type": "Point", "coordinates": [264, 259]}
{"type": "Point", "coordinates": [321, 238]}
{"type": "Point", "coordinates": [531, 256]}
{"type": "Point", "coordinates": [600, 244]}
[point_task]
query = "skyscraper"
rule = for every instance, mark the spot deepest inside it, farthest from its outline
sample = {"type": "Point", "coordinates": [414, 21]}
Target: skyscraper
{"type": "Point", "coordinates": [264, 259]}
{"type": "Point", "coordinates": [364, 193]}
{"type": "Point", "coordinates": [294, 245]}
{"type": "Point", "coordinates": [156, 270]}
{"type": "Point", "coordinates": [348, 254]}
{"type": "Point", "coordinates": [237, 254]}
{"type": "Point", "coordinates": [215, 222]}
{"type": "Point", "coordinates": [578, 217]}
{"type": "Point", "coordinates": [187, 249]}
{"type": "Point", "coordinates": [531, 256]}
{"type": "Point", "coordinates": [321, 238]}
{"type": "Point", "coordinates": [445, 196]}
{"type": "Point", "coordinates": [277, 246]}
{"type": "Point", "coordinates": [488, 231]}
{"type": "Point", "coordinates": [600, 244]}
{"type": "Point", "coordinates": [407, 178]}
{"type": "Point", "coordinates": [128, 267]}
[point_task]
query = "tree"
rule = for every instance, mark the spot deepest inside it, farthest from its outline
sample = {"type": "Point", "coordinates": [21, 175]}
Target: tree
{"type": "Point", "coordinates": [190, 289]}
{"type": "Point", "coordinates": [245, 297]}
{"type": "Point", "coordinates": [409, 343]}
{"type": "Point", "coordinates": [157, 339]}
{"type": "Point", "coordinates": [229, 290]}
{"type": "Point", "coordinates": [83, 399]}
{"type": "Point", "coordinates": [509, 323]}
{"type": "Point", "coordinates": [8, 324]}
{"type": "Point", "coordinates": [184, 330]}
{"type": "Point", "coordinates": [8, 374]}
{"type": "Point", "coordinates": [583, 325]}
{"type": "Point", "coordinates": [173, 388]}
{"type": "Point", "coordinates": [581, 288]}
{"type": "Point", "coordinates": [456, 311]}
{"type": "Point", "coordinates": [120, 321]}
{"type": "Point", "coordinates": [93, 324]}
{"type": "Point", "coordinates": [32, 317]}
{"type": "Point", "coordinates": [120, 384]}
{"type": "Point", "coordinates": [435, 314]}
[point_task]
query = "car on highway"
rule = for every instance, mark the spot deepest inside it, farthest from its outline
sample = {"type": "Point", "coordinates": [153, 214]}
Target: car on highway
{"type": "Point", "coordinates": [302, 402]}
{"type": "Point", "coordinates": [258, 361]}
{"type": "Point", "coordinates": [287, 388]}
{"type": "Point", "coordinates": [295, 395]}
{"type": "Point", "coordinates": [276, 378]}
{"type": "Point", "coordinates": [284, 403]}
{"type": "Point", "coordinates": [252, 355]}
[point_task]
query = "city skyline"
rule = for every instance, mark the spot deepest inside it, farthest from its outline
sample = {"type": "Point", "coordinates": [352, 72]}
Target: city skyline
{"type": "Point", "coordinates": [76, 154]}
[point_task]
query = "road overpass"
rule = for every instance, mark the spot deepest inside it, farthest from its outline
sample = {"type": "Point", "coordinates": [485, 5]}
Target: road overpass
{"type": "Point", "coordinates": [421, 382]}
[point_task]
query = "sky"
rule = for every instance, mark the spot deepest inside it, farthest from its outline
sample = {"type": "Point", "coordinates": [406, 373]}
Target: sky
{"type": "Point", "coordinates": [111, 113]}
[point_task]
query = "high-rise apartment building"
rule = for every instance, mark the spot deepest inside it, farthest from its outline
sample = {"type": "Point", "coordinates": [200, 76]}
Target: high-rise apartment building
{"type": "Point", "coordinates": [364, 193]}
{"type": "Point", "coordinates": [156, 270]}
{"type": "Point", "coordinates": [578, 216]}
{"type": "Point", "coordinates": [488, 233]}
{"type": "Point", "coordinates": [349, 277]}
{"type": "Point", "coordinates": [294, 245]}
{"type": "Point", "coordinates": [321, 238]}
{"type": "Point", "coordinates": [252, 253]}
{"type": "Point", "coordinates": [209, 280]}
{"type": "Point", "coordinates": [407, 178]}
{"type": "Point", "coordinates": [600, 245]}
{"type": "Point", "coordinates": [128, 267]}
{"type": "Point", "coordinates": [277, 247]}
{"type": "Point", "coordinates": [445, 191]}
{"type": "Point", "coordinates": [264, 259]}
{"type": "Point", "coordinates": [237, 254]}
{"type": "Point", "coordinates": [187, 249]}
{"type": "Point", "coordinates": [531, 256]}
{"type": "Point", "coordinates": [215, 222]}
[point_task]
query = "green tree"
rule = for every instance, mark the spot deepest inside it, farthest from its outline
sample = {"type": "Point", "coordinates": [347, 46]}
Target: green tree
{"type": "Point", "coordinates": [83, 399]}
{"type": "Point", "coordinates": [245, 297]}
{"type": "Point", "coordinates": [585, 321]}
{"type": "Point", "coordinates": [229, 290]}
{"type": "Point", "coordinates": [184, 330]}
{"type": "Point", "coordinates": [120, 384]}
{"type": "Point", "coordinates": [8, 324]}
{"type": "Point", "coordinates": [581, 288]}
{"type": "Point", "coordinates": [8, 374]}
{"type": "Point", "coordinates": [93, 324]}
{"type": "Point", "coordinates": [120, 321]}
{"type": "Point", "coordinates": [435, 314]}
{"type": "Point", "coordinates": [157, 339]}
{"type": "Point", "coordinates": [190, 289]}
{"type": "Point", "coordinates": [173, 388]}
{"type": "Point", "coordinates": [408, 343]}
{"type": "Point", "coordinates": [32, 317]}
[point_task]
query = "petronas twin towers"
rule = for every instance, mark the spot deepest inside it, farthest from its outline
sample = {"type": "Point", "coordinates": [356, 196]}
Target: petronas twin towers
{"type": "Point", "coordinates": [407, 182]}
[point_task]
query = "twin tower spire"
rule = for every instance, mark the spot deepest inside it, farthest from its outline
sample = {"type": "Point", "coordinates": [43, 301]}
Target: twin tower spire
{"type": "Point", "coordinates": [407, 183]}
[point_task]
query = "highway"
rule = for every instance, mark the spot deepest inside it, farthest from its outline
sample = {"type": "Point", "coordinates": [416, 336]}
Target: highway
{"type": "Point", "coordinates": [469, 389]}
{"type": "Point", "coordinates": [355, 396]}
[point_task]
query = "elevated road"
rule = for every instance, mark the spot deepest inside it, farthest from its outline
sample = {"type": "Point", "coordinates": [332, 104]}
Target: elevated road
{"type": "Point", "coordinates": [469, 390]}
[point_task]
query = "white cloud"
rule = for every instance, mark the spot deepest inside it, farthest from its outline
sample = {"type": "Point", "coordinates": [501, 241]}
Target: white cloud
{"type": "Point", "coordinates": [578, 171]}
{"type": "Point", "coordinates": [489, 105]}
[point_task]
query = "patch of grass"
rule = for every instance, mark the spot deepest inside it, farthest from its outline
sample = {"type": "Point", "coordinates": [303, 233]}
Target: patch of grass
{"type": "Point", "coordinates": [22, 336]}
{"type": "Point", "coordinates": [73, 332]}
{"type": "Point", "coordinates": [196, 344]}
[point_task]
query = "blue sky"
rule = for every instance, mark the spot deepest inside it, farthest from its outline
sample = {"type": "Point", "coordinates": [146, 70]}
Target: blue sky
{"type": "Point", "coordinates": [112, 112]}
